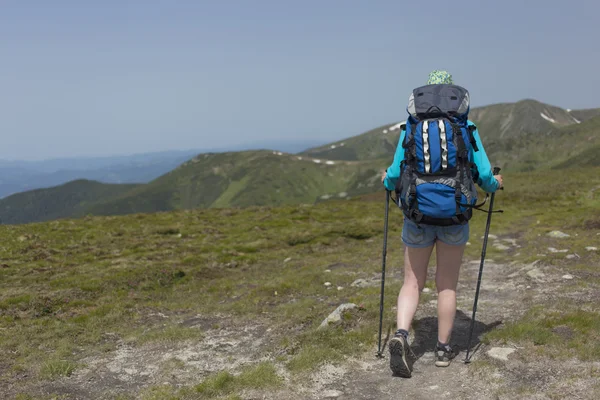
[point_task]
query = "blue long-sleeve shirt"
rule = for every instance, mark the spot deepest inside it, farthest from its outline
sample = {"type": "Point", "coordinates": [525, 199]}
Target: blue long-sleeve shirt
{"type": "Point", "coordinates": [486, 176]}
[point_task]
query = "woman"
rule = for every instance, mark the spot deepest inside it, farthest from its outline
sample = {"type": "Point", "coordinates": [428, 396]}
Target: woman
{"type": "Point", "coordinates": [419, 242]}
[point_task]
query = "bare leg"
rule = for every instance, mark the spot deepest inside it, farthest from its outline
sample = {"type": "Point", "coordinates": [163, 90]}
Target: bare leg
{"type": "Point", "coordinates": [449, 259]}
{"type": "Point", "coordinates": [415, 274]}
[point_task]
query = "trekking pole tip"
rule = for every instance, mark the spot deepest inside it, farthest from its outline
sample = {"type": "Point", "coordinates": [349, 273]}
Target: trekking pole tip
{"type": "Point", "coordinates": [467, 358]}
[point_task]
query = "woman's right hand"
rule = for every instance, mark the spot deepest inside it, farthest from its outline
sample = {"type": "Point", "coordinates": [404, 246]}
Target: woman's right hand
{"type": "Point", "coordinates": [500, 181]}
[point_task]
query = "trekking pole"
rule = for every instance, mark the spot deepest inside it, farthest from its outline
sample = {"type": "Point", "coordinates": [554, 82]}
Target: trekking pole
{"type": "Point", "coordinates": [385, 231]}
{"type": "Point", "coordinates": [485, 239]}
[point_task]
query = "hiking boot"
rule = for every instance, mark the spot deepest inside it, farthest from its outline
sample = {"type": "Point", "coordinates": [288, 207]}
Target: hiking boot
{"type": "Point", "coordinates": [401, 356]}
{"type": "Point", "coordinates": [444, 355]}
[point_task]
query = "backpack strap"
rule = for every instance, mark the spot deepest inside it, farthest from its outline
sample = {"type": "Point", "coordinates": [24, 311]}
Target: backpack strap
{"type": "Point", "coordinates": [413, 208]}
{"type": "Point", "coordinates": [475, 172]}
{"type": "Point", "coordinates": [462, 164]}
{"type": "Point", "coordinates": [472, 129]}
{"type": "Point", "coordinates": [463, 153]}
{"type": "Point", "coordinates": [409, 145]}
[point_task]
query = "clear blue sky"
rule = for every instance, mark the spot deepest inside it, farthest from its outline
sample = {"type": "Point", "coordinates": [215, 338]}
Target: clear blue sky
{"type": "Point", "coordinates": [107, 77]}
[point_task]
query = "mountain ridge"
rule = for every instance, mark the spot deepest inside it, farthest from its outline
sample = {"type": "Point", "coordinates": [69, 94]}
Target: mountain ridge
{"type": "Point", "coordinates": [532, 135]}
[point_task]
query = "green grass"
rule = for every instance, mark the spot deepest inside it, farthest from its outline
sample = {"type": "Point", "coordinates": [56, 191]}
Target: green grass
{"type": "Point", "coordinates": [566, 332]}
{"type": "Point", "coordinates": [260, 376]}
{"type": "Point", "coordinates": [70, 288]}
{"type": "Point", "coordinates": [316, 347]}
{"type": "Point", "coordinates": [57, 368]}
{"type": "Point", "coordinates": [222, 385]}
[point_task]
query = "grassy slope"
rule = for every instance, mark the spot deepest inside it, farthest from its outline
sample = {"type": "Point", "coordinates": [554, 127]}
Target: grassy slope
{"type": "Point", "coordinates": [515, 136]}
{"type": "Point", "coordinates": [210, 180]}
{"type": "Point", "coordinates": [68, 200]}
{"type": "Point", "coordinates": [573, 145]}
{"type": "Point", "coordinates": [588, 157]}
{"type": "Point", "coordinates": [242, 179]}
{"type": "Point", "coordinates": [512, 120]}
{"type": "Point", "coordinates": [500, 125]}
{"type": "Point", "coordinates": [369, 145]}
{"type": "Point", "coordinates": [65, 284]}
{"type": "Point", "coordinates": [584, 115]}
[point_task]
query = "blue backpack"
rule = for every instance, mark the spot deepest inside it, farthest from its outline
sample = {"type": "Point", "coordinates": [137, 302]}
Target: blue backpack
{"type": "Point", "coordinates": [436, 185]}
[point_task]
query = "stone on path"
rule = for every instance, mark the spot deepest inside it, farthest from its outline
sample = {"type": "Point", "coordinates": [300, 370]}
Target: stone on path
{"type": "Point", "coordinates": [553, 250]}
{"type": "Point", "coordinates": [558, 234]}
{"type": "Point", "coordinates": [500, 353]}
{"type": "Point", "coordinates": [567, 276]}
{"type": "Point", "coordinates": [591, 248]}
{"type": "Point", "coordinates": [332, 394]}
{"type": "Point", "coordinates": [360, 283]}
{"type": "Point", "coordinates": [491, 236]}
{"type": "Point", "coordinates": [336, 315]}
{"type": "Point", "coordinates": [500, 246]}
{"type": "Point", "coordinates": [535, 274]}
{"type": "Point", "coordinates": [327, 284]}
{"type": "Point", "coordinates": [525, 268]}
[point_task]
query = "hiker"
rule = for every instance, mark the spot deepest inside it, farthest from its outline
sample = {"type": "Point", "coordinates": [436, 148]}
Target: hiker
{"type": "Point", "coordinates": [434, 174]}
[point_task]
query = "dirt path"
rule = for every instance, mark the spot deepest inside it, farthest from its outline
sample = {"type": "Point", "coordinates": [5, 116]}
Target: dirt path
{"type": "Point", "coordinates": [371, 378]}
{"type": "Point", "coordinates": [505, 294]}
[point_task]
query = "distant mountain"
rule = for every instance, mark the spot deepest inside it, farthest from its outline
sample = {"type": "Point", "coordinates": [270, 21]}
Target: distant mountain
{"type": "Point", "coordinates": [285, 146]}
{"type": "Point", "coordinates": [376, 143]}
{"type": "Point", "coordinates": [529, 134]}
{"type": "Point", "coordinates": [68, 200]}
{"type": "Point", "coordinates": [94, 163]}
{"type": "Point", "coordinates": [244, 179]}
{"type": "Point", "coordinates": [20, 176]}
{"type": "Point", "coordinates": [573, 145]}
{"type": "Point", "coordinates": [584, 115]}
{"type": "Point", "coordinates": [235, 179]}
{"type": "Point", "coordinates": [521, 136]}
{"type": "Point", "coordinates": [509, 131]}
{"type": "Point", "coordinates": [516, 119]}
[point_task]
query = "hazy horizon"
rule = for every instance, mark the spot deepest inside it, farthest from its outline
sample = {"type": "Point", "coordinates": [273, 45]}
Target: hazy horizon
{"type": "Point", "coordinates": [118, 78]}
{"type": "Point", "coordinates": [264, 145]}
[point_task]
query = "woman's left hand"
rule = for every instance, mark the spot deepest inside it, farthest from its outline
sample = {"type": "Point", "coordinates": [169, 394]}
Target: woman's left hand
{"type": "Point", "coordinates": [383, 176]}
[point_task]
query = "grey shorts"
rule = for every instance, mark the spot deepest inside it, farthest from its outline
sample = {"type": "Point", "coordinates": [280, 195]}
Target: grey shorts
{"type": "Point", "coordinates": [426, 235]}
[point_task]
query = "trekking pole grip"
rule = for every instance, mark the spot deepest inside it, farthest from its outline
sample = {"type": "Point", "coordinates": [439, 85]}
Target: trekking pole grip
{"type": "Point", "coordinates": [496, 171]}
